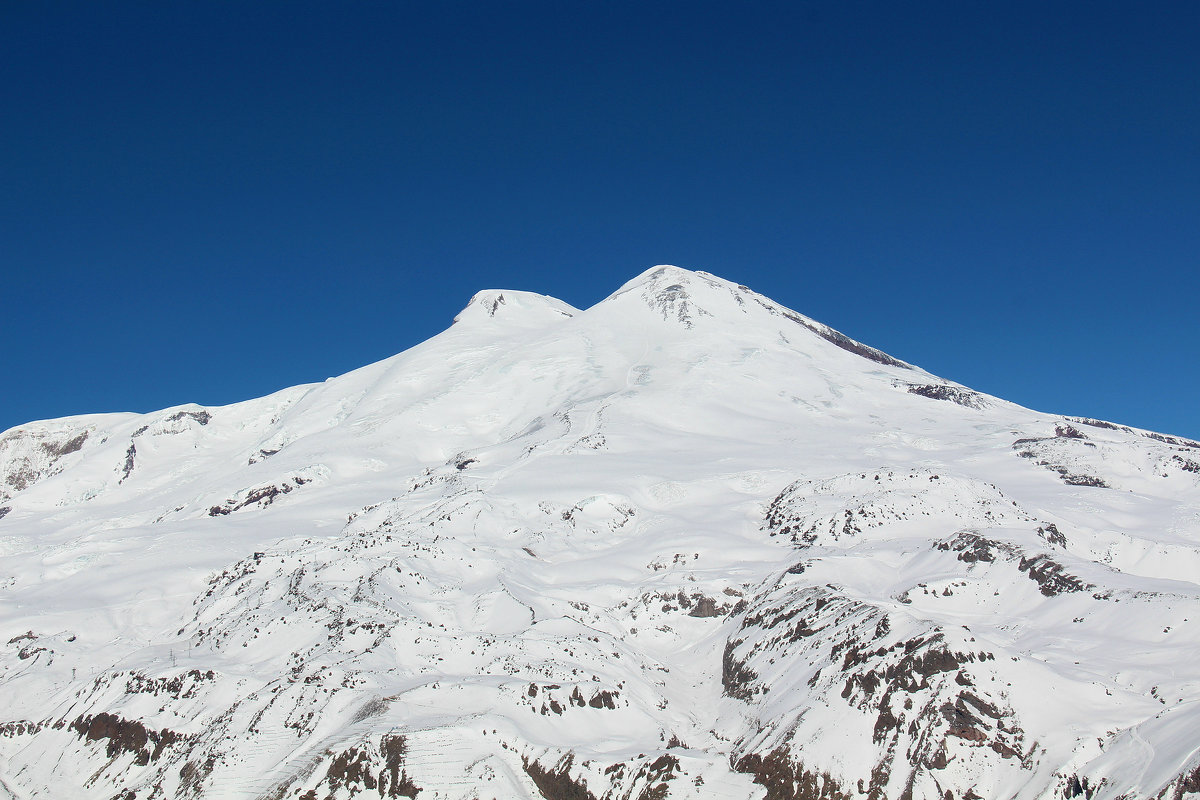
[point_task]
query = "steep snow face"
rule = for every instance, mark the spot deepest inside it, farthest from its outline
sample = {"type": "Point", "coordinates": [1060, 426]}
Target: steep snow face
{"type": "Point", "coordinates": [686, 543]}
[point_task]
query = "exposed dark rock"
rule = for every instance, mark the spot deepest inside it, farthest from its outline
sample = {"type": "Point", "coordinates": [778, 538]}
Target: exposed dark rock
{"type": "Point", "coordinates": [1080, 480]}
{"type": "Point", "coordinates": [351, 768]}
{"type": "Point", "coordinates": [1158, 437]}
{"type": "Point", "coordinates": [1186, 464]}
{"type": "Point", "coordinates": [967, 732]}
{"type": "Point", "coordinates": [980, 705]}
{"type": "Point", "coordinates": [657, 775]}
{"type": "Point", "coordinates": [848, 344]}
{"type": "Point", "coordinates": [1188, 783]}
{"type": "Point", "coordinates": [884, 723]}
{"type": "Point", "coordinates": [674, 301]}
{"type": "Point", "coordinates": [30, 648]}
{"type": "Point", "coordinates": [953, 394]}
{"type": "Point", "coordinates": [393, 780]}
{"type": "Point", "coordinates": [706, 607]}
{"type": "Point", "coordinates": [4, 511]}
{"type": "Point", "coordinates": [736, 677]}
{"type": "Point", "coordinates": [557, 783]}
{"type": "Point", "coordinates": [971, 547]}
{"type": "Point", "coordinates": [181, 686]}
{"type": "Point", "coordinates": [1068, 477]}
{"type": "Point", "coordinates": [1099, 423]}
{"type": "Point", "coordinates": [24, 470]}
{"type": "Point", "coordinates": [263, 496]}
{"type": "Point", "coordinates": [20, 727]}
{"type": "Point", "coordinates": [923, 660]}
{"type": "Point", "coordinates": [1004, 750]}
{"type": "Point", "coordinates": [130, 454]}
{"type": "Point", "coordinates": [1037, 448]}
{"type": "Point", "coordinates": [788, 780]}
{"type": "Point", "coordinates": [203, 417]}
{"type": "Point", "coordinates": [126, 736]}
{"type": "Point", "coordinates": [603, 699]}
{"type": "Point", "coordinates": [495, 305]}
{"type": "Point", "coordinates": [902, 684]}
{"type": "Point", "coordinates": [359, 769]}
{"type": "Point", "coordinates": [1050, 576]}
{"type": "Point", "coordinates": [1067, 432]}
{"type": "Point", "coordinates": [1051, 534]}
{"type": "Point", "coordinates": [32, 651]}
{"type": "Point", "coordinates": [1077, 786]}
{"type": "Point", "coordinates": [262, 455]}
{"type": "Point", "coordinates": [781, 521]}
{"type": "Point", "coordinates": [834, 337]}
{"type": "Point", "coordinates": [57, 449]}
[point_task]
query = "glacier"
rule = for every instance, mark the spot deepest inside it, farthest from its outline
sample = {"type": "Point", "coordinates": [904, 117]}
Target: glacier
{"type": "Point", "coordinates": [686, 543]}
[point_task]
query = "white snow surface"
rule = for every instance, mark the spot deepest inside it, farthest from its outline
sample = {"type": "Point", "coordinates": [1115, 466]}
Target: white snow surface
{"type": "Point", "coordinates": [686, 543]}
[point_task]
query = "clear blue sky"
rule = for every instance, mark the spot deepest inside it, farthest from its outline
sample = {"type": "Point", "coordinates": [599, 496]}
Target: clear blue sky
{"type": "Point", "coordinates": [208, 201]}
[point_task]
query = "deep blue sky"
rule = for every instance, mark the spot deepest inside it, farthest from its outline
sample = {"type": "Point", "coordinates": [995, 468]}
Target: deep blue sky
{"type": "Point", "coordinates": [208, 201]}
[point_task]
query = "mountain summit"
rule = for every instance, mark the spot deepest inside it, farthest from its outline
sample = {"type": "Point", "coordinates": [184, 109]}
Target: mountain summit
{"type": "Point", "coordinates": [686, 543]}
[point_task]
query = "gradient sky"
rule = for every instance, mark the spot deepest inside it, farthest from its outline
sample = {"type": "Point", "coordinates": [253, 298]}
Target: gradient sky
{"type": "Point", "coordinates": [209, 201]}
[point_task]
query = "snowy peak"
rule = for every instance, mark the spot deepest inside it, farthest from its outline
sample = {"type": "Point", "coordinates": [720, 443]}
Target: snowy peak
{"type": "Point", "coordinates": [511, 308]}
{"type": "Point", "coordinates": [685, 544]}
{"type": "Point", "coordinates": [658, 275]}
{"type": "Point", "coordinates": [679, 295]}
{"type": "Point", "coordinates": [690, 299]}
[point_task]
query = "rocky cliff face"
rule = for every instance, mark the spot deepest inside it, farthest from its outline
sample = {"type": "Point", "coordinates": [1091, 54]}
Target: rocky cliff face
{"type": "Point", "coordinates": [684, 544]}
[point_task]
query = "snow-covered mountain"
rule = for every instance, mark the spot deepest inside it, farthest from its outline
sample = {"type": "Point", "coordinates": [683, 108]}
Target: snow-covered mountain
{"type": "Point", "coordinates": [684, 544]}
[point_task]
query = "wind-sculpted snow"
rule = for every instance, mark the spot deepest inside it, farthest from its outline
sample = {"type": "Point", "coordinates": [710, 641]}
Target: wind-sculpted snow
{"type": "Point", "coordinates": [684, 544]}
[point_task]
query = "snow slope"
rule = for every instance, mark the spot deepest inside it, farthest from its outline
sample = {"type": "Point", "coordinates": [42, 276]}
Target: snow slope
{"type": "Point", "coordinates": [686, 543]}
